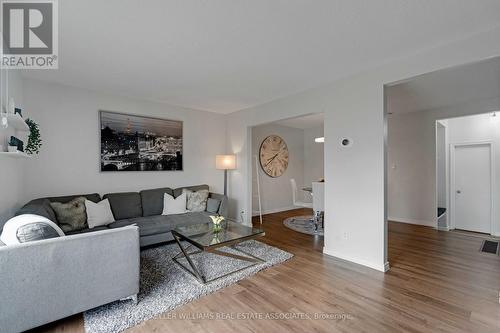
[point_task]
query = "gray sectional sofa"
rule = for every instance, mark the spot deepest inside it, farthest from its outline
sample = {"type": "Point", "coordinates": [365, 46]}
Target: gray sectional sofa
{"type": "Point", "coordinates": [46, 280]}
{"type": "Point", "coordinates": [51, 279]}
{"type": "Point", "coordinates": [142, 208]}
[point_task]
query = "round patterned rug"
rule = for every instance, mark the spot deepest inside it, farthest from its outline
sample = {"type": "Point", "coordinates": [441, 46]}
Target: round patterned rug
{"type": "Point", "coordinates": [303, 224]}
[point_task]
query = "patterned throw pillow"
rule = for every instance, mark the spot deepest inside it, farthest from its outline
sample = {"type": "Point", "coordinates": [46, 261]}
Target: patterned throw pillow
{"type": "Point", "coordinates": [29, 227]}
{"type": "Point", "coordinates": [71, 216]}
{"type": "Point", "coordinates": [196, 200]}
{"type": "Point", "coordinates": [36, 231]}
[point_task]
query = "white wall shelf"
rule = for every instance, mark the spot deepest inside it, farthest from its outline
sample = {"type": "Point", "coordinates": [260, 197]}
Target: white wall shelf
{"type": "Point", "coordinates": [17, 122]}
{"type": "Point", "coordinates": [14, 154]}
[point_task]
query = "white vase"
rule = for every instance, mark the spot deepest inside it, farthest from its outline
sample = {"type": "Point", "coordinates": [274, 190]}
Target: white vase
{"type": "Point", "coordinates": [12, 149]}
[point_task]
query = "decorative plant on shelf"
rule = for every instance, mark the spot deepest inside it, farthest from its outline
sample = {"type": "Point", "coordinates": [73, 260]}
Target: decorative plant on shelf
{"type": "Point", "coordinates": [34, 140]}
{"type": "Point", "coordinates": [217, 220]}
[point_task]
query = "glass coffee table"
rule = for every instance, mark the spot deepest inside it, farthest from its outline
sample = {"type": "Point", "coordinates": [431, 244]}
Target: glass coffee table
{"type": "Point", "coordinates": [205, 239]}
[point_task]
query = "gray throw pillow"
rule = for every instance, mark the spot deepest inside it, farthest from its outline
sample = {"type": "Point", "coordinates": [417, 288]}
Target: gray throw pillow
{"type": "Point", "coordinates": [213, 205]}
{"type": "Point", "coordinates": [196, 200]}
{"type": "Point", "coordinates": [35, 231]}
{"type": "Point", "coordinates": [71, 216]}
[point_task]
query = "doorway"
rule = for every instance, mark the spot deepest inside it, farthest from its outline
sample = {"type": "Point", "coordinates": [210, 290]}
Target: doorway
{"type": "Point", "coordinates": [442, 179]}
{"type": "Point", "coordinates": [471, 187]}
{"type": "Point", "coordinates": [430, 118]}
{"type": "Point", "coordinates": [466, 172]}
{"type": "Point", "coordinates": [442, 143]}
{"type": "Point", "coordinates": [288, 171]}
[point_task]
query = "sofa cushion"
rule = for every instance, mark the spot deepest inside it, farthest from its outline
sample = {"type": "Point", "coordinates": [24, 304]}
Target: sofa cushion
{"type": "Point", "coordinates": [39, 207]}
{"type": "Point", "coordinates": [94, 197]}
{"type": "Point", "coordinates": [152, 200]}
{"type": "Point", "coordinates": [125, 205]}
{"type": "Point", "coordinates": [152, 225]}
{"type": "Point", "coordinates": [42, 206]}
{"type": "Point", "coordinates": [178, 191]}
{"type": "Point", "coordinates": [71, 215]}
{"type": "Point", "coordinates": [83, 231]}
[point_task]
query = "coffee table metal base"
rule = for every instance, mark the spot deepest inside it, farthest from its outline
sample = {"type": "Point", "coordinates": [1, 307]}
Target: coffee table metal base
{"type": "Point", "coordinates": [199, 275]}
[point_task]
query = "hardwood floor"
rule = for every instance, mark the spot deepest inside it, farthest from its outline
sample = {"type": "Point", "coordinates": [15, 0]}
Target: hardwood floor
{"type": "Point", "coordinates": [439, 282]}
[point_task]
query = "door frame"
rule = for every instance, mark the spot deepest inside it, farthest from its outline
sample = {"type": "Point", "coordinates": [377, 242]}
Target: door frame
{"type": "Point", "coordinates": [453, 147]}
{"type": "Point", "coordinates": [447, 177]}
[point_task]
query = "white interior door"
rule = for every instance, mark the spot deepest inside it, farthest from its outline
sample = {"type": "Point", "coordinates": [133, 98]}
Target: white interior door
{"type": "Point", "coordinates": [472, 187]}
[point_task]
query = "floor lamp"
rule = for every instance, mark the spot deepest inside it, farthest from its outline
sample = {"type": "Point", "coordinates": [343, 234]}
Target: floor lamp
{"type": "Point", "coordinates": [225, 162]}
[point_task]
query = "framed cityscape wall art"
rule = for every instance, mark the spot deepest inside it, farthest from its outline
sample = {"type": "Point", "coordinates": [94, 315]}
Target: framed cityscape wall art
{"type": "Point", "coordinates": [138, 143]}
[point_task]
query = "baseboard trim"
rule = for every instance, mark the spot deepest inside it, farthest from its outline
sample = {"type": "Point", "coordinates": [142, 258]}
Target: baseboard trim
{"type": "Point", "coordinates": [443, 228]}
{"type": "Point", "coordinates": [275, 210]}
{"type": "Point", "coordinates": [412, 221]}
{"type": "Point", "coordinates": [378, 267]}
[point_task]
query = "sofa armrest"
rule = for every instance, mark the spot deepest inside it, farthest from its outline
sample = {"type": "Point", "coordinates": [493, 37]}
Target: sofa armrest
{"type": "Point", "coordinates": [224, 203]}
{"type": "Point", "coordinates": [54, 278]}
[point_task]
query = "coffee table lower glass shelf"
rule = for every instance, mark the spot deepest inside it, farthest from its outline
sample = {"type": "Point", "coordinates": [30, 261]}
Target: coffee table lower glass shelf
{"type": "Point", "coordinates": [205, 239]}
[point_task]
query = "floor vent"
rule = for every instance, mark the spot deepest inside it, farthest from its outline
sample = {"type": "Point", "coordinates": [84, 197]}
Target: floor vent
{"type": "Point", "coordinates": [489, 247]}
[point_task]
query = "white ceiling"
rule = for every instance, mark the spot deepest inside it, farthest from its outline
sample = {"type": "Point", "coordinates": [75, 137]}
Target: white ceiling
{"type": "Point", "coordinates": [227, 55]}
{"type": "Point", "coordinates": [304, 122]}
{"type": "Point", "coordinates": [448, 87]}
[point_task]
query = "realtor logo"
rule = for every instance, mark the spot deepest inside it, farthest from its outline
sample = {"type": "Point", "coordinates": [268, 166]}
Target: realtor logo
{"type": "Point", "coordinates": [29, 31]}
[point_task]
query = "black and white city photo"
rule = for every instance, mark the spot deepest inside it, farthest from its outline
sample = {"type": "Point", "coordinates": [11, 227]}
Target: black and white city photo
{"type": "Point", "coordinates": [137, 143]}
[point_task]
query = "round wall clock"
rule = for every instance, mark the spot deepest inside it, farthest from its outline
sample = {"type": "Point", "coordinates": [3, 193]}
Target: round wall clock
{"type": "Point", "coordinates": [273, 156]}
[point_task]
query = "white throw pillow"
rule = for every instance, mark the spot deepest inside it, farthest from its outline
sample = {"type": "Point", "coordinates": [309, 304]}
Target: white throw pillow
{"type": "Point", "coordinates": [98, 214]}
{"type": "Point", "coordinates": [173, 205]}
{"type": "Point", "coordinates": [9, 233]}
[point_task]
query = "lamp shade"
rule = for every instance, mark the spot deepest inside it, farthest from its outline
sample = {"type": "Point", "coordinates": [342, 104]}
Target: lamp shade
{"type": "Point", "coordinates": [225, 162]}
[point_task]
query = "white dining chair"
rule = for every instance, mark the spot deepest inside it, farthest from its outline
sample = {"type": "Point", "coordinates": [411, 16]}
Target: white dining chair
{"type": "Point", "coordinates": [296, 202]}
{"type": "Point", "coordinates": [318, 202]}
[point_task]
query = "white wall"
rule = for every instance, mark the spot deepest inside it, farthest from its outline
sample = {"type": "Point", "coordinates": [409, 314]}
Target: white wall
{"type": "Point", "coordinates": [411, 173]}
{"type": "Point", "coordinates": [276, 193]}
{"type": "Point", "coordinates": [355, 187]}
{"type": "Point", "coordinates": [314, 155]}
{"type": "Point", "coordinates": [68, 162]}
{"type": "Point", "coordinates": [481, 128]}
{"type": "Point", "coordinates": [411, 147]}
{"type": "Point", "coordinates": [11, 175]}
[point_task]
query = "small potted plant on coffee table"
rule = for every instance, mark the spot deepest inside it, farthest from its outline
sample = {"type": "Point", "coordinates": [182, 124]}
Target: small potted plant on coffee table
{"type": "Point", "coordinates": [217, 221]}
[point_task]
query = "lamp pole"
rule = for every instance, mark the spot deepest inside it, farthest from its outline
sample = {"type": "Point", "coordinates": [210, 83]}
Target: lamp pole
{"type": "Point", "coordinates": [225, 182]}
